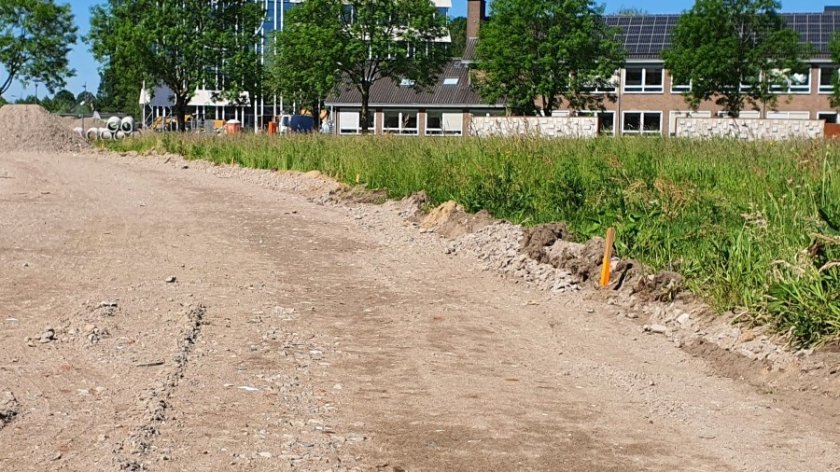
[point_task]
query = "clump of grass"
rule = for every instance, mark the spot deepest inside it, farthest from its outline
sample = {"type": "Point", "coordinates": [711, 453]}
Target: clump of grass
{"type": "Point", "coordinates": [736, 218]}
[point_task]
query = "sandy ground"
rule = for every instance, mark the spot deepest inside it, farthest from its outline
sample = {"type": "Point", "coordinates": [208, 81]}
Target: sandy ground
{"type": "Point", "coordinates": [156, 317]}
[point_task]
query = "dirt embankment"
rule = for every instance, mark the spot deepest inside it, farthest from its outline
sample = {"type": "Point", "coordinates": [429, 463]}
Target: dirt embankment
{"type": "Point", "coordinates": [545, 257]}
{"type": "Point", "coordinates": [32, 128]}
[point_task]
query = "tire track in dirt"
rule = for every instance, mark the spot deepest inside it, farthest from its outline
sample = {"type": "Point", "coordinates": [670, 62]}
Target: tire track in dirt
{"type": "Point", "coordinates": [156, 400]}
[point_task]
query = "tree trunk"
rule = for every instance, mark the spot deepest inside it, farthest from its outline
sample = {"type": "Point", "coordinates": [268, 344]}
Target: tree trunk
{"type": "Point", "coordinates": [365, 109]}
{"type": "Point", "coordinates": [181, 112]}
{"type": "Point", "coordinates": [316, 115]}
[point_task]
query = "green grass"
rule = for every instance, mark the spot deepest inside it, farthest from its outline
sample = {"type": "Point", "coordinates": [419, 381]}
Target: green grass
{"type": "Point", "coordinates": [737, 219]}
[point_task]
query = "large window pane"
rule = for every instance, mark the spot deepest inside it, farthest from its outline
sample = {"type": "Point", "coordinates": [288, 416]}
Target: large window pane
{"type": "Point", "coordinates": [434, 120]}
{"type": "Point", "coordinates": [392, 120]}
{"type": "Point", "coordinates": [632, 122]}
{"type": "Point", "coordinates": [633, 76]}
{"type": "Point", "coordinates": [606, 122]}
{"type": "Point", "coordinates": [652, 122]}
{"type": "Point", "coordinates": [654, 77]}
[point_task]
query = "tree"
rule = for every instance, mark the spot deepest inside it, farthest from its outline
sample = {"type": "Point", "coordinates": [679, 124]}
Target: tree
{"type": "Point", "coordinates": [304, 65]}
{"type": "Point", "coordinates": [88, 98]}
{"type": "Point", "coordinates": [365, 41]}
{"type": "Point", "coordinates": [548, 50]}
{"type": "Point", "coordinates": [113, 38]}
{"type": "Point", "coordinates": [62, 102]}
{"type": "Point", "coordinates": [35, 39]}
{"type": "Point", "coordinates": [183, 44]}
{"type": "Point", "coordinates": [631, 11]}
{"type": "Point", "coordinates": [834, 47]}
{"type": "Point", "coordinates": [736, 52]}
{"type": "Point", "coordinates": [458, 36]}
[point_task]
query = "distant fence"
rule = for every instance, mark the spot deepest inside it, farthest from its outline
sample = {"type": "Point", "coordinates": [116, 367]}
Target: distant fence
{"type": "Point", "coordinates": [551, 127]}
{"type": "Point", "coordinates": [749, 129]}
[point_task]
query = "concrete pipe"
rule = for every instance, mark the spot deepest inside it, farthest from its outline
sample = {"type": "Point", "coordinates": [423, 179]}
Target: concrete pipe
{"type": "Point", "coordinates": [127, 124]}
{"type": "Point", "coordinates": [80, 131]}
{"type": "Point", "coordinates": [106, 134]}
{"type": "Point", "coordinates": [120, 134]}
{"type": "Point", "coordinates": [92, 133]}
{"type": "Point", "coordinates": [114, 124]}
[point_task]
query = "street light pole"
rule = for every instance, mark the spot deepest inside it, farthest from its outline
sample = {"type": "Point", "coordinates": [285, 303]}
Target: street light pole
{"type": "Point", "coordinates": [84, 94]}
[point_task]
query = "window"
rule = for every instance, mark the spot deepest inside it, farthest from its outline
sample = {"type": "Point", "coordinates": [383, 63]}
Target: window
{"type": "Point", "coordinates": [642, 122]}
{"type": "Point", "coordinates": [450, 81]}
{"type": "Point", "coordinates": [644, 79]}
{"type": "Point", "coordinates": [828, 117]}
{"type": "Point", "coordinates": [348, 122]}
{"type": "Point", "coordinates": [680, 88]}
{"type": "Point", "coordinates": [603, 86]}
{"type": "Point", "coordinates": [827, 78]}
{"type": "Point", "coordinates": [406, 83]}
{"type": "Point", "coordinates": [444, 123]}
{"type": "Point", "coordinates": [400, 122]}
{"type": "Point", "coordinates": [788, 115]}
{"type": "Point", "coordinates": [791, 83]}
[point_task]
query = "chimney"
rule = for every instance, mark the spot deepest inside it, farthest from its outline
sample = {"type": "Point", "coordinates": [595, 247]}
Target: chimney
{"type": "Point", "coordinates": [476, 10]}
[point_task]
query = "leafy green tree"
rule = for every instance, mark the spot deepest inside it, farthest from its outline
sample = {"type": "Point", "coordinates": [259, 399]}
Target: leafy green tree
{"type": "Point", "coordinates": [183, 44]}
{"type": "Point", "coordinates": [736, 52]}
{"type": "Point", "coordinates": [62, 102]}
{"type": "Point", "coordinates": [90, 100]}
{"type": "Point", "coordinates": [304, 65]}
{"type": "Point", "coordinates": [834, 47]}
{"type": "Point", "coordinates": [458, 35]}
{"type": "Point", "coordinates": [631, 11]}
{"type": "Point", "coordinates": [35, 39]}
{"type": "Point", "coordinates": [548, 50]}
{"type": "Point", "coordinates": [360, 42]}
{"type": "Point", "coordinates": [113, 37]}
{"type": "Point", "coordinates": [29, 100]}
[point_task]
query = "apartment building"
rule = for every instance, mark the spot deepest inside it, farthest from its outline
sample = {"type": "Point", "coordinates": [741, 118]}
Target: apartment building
{"type": "Point", "coordinates": [644, 100]}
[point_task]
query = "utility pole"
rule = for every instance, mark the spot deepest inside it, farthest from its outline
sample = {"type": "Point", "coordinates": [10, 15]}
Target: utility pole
{"type": "Point", "coordinates": [84, 95]}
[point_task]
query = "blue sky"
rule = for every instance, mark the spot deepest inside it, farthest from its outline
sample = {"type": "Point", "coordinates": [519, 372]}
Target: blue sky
{"type": "Point", "coordinates": [87, 68]}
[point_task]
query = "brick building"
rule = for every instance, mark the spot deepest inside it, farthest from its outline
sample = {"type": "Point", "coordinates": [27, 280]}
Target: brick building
{"type": "Point", "coordinates": [644, 100]}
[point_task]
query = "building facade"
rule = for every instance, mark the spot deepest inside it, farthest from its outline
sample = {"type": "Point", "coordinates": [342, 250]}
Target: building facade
{"type": "Point", "coordinates": [645, 100]}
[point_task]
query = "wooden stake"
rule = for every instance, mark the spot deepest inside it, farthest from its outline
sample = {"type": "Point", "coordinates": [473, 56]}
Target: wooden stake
{"type": "Point", "coordinates": [606, 266]}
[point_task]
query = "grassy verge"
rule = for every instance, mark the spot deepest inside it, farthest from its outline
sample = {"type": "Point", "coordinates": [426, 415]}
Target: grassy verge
{"type": "Point", "coordinates": [752, 226]}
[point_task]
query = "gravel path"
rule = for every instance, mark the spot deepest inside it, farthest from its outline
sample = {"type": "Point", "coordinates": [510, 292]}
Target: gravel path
{"type": "Point", "coordinates": [163, 315]}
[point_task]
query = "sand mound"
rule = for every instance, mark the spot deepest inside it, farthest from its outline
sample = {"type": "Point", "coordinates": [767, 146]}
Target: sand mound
{"type": "Point", "coordinates": [450, 220]}
{"type": "Point", "coordinates": [31, 128]}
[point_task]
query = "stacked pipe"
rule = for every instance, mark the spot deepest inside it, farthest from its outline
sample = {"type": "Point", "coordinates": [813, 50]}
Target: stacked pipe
{"type": "Point", "coordinates": [115, 128]}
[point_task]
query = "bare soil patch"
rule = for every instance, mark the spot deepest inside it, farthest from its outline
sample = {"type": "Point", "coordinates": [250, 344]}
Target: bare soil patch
{"type": "Point", "coordinates": [32, 128]}
{"type": "Point", "coordinates": [341, 337]}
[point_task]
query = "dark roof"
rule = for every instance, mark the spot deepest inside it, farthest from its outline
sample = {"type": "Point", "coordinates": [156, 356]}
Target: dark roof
{"type": "Point", "coordinates": [647, 36]}
{"type": "Point", "coordinates": [443, 94]}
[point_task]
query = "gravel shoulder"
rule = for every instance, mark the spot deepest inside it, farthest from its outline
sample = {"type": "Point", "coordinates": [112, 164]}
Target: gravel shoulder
{"type": "Point", "coordinates": [213, 318]}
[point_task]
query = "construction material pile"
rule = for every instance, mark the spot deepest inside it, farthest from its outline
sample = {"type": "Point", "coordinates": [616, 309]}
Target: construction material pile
{"type": "Point", "coordinates": [32, 128]}
{"type": "Point", "coordinates": [115, 128]}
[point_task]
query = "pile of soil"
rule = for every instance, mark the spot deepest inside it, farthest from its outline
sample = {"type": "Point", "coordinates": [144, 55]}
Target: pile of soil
{"type": "Point", "coordinates": [452, 221]}
{"type": "Point", "coordinates": [32, 128]}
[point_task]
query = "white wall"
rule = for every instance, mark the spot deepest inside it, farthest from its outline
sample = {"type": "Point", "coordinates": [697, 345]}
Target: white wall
{"type": "Point", "coordinates": [554, 127]}
{"type": "Point", "coordinates": [749, 129]}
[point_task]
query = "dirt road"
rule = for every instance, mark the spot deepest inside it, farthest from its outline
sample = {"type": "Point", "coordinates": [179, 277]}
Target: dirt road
{"type": "Point", "coordinates": [155, 317]}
